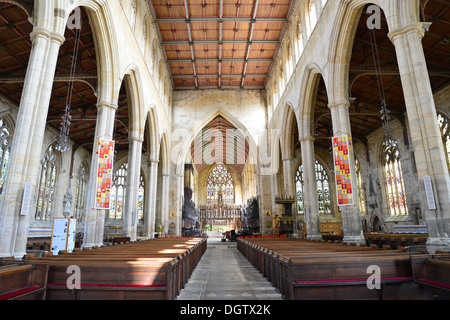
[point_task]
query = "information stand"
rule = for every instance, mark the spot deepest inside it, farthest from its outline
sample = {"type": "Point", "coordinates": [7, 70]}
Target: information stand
{"type": "Point", "coordinates": [63, 235]}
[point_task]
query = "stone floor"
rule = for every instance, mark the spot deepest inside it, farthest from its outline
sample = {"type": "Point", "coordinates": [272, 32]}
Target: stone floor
{"type": "Point", "coordinates": [225, 274]}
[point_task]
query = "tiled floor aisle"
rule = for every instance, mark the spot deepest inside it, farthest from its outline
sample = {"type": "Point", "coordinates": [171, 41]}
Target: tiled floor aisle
{"type": "Point", "coordinates": [225, 274]}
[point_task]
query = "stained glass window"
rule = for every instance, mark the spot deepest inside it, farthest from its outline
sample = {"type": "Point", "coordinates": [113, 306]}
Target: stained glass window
{"type": "Point", "coordinates": [80, 196]}
{"type": "Point", "coordinates": [394, 179]}
{"type": "Point", "coordinates": [323, 189]}
{"type": "Point", "coordinates": [362, 194]}
{"type": "Point", "coordinates": [5, 148]}
{"type": "Point", "coordinates": [47, 185]}
{"type": "Point", "coordinates": [118, 192]}
{"type": "Point", "coordinates": [141, 198]}
{"type": "Point", "coordinates": [445, 133]}
{"type": "Point", "coordinates": [220, 181]}
{"type": "Point", "coordinates": [299, 188]}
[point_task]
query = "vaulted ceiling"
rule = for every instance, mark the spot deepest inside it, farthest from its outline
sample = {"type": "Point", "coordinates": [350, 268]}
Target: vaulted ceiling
{"type": "Point", "coordinates": [220, 43]}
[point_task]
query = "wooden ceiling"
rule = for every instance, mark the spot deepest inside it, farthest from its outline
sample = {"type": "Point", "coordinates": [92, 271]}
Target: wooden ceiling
{"type": "Point", "coordinates": [220, 142]}
{"type": "Point", "coordinates": [220, 43]}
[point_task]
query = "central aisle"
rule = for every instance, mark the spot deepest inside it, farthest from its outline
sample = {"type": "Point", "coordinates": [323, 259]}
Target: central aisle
{"type": "Point", "coordinates": [225, 274]}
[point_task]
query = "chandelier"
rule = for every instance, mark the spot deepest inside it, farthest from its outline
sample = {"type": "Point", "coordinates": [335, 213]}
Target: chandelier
{"type": "Point", "coordinates": [63, 142]}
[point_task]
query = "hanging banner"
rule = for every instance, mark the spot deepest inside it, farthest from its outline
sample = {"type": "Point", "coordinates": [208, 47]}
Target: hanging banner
{"type": "Point", "coordinates": [104, 174]}
{"type": "Point", "coordinates": [343, 171]}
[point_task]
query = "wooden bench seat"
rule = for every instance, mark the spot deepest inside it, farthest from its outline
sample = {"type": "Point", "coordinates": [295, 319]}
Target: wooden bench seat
{"type": "Point", "coordinates": [23, 282]}
{"type": "Point", "coordinates": [151, 270]}
{"type": "Point", "coordinates": [433, 273]}
{"type": "Point", "coordinates": [302, 269]}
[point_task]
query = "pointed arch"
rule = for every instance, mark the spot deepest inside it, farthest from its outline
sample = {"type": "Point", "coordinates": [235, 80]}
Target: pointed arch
{"type": "Point", "coordinates": [189, 137]}
{"type": "Point", "coordinates": [105, 41]}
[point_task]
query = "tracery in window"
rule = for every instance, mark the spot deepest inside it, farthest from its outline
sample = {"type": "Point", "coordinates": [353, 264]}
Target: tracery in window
{"type": "Point", "coordinates": [323, 189]}
{"type": "Point", "coordinates": [300, 192]}
{"type": "Point", "coordinates": [118, 192]}
{"type": "Point", "coordinates": [141, 196]}
{"type": "Point", "coordinates": [394, 179]}
{"type": "Point", "coordinates": [362, 194]}
{"type": "Point", "coordinates": [80, 196]}
{"type": "Point", "coordinates": [220, 181]}
{"type": "Point", "coordinates": [5, 149]}
{"type": "Point", "coordinates": [46, 191]}
{"type": "Point", "coordinates": [445, 134]}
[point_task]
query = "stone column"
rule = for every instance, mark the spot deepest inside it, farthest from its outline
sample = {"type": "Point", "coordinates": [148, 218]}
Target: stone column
{"type": "Point", "coordinates": [310, 189]}
{"type": "Point", "coordinates": [150, 199]}
{"type": "Point", "coordinates": [351, 215]}
{"type": "Point", "coordinates": [130, 219]}
{"type": "Point", "coordinates": [95, 219]}
{"type": "Point", "coordinates": [289, 176]}
{"type": "Point", "coordinates": [165, 182]}
{"type": "Point", "coordinates": [27, 142]}
{"type": "Point", "coordinates": [425, 134]}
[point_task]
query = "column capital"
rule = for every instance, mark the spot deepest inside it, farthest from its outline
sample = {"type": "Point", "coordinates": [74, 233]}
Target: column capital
{"type": "Point", "coordinates": [152, 161]}
{"type": "Point", "coordinates": [284, 159]}
{"type": "Point", "coordinates": [419, 27]}
{"type": "Point", "coordinates": [307, 139]}
{"type": "Point", "coordinates": [341, 103]}
{"type": "Point", "coordinates": [136, 139]}
{"type": "Point", "coordinates": [105, 104]}
{"type": "Point", "coordinates": [43, 32]}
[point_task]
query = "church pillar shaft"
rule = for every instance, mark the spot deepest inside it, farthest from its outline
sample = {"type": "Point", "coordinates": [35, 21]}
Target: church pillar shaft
{"type": "Point", "coordinates": [28, 139]}
{"type": "Point", "coordinates": [310, 189]}
{"type": "Point", "coordinates": [426, 139]}
{"type": "Point", "coordinates": [95, 219]}
{"type": "Point", "coordinates": [150, 200]}
{"type": "Point", "coordinates": [131, 218]}
{"type": "Point", "coordinates": [351, 215]}
{"type": "Point", "coordinates": [165, 184]}
{"type": "Point", "coordinates": [288, 172]}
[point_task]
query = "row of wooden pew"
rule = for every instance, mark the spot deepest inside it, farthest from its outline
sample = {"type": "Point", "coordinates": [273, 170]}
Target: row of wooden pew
{"type": "Point", "coordinates": [151, 270]}
{"type": "Point", "coordinates": [302, 269]}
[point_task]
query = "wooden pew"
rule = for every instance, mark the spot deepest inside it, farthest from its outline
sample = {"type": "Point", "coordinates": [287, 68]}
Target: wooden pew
{"type": "Point", "coordinates": [154, 269]}
{"type": "Point", "coordinates": [23, 281]}
{"type": "Point", "coordinates": [433, 273]}
{"type": "Point", "coordinates": [302, 269]}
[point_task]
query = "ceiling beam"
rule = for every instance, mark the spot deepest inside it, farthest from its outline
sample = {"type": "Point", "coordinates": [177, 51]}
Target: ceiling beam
{"type": "Point", "coordinates": [218, 19]}
{"type": "Point", "coordinates": [220, 42]}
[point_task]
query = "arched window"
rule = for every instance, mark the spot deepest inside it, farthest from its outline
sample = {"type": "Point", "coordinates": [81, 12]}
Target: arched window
{"type": "Point", "coordinates": [80, 196]}
{"type": "Point", "coordinates": [300, 193]}
{"type": "Point", "coordinates": [394, 179]}
{"type": "Point", "coordinates": [323, 189]}
{"type": "Point", "coordinates": [362, 192]}
{"type": "Point", "coordinates": [141, 197]}
{"type": "Point", "coordinates": [5, 149]}
{"type": "Point", "coordinates": [118, 193]}
{"type": "Point", "coordinates": [445, 133]}
{"type": "Point", "coordinates": [47, 185]}
{"type": "Point", "coordinates": [220, 181]}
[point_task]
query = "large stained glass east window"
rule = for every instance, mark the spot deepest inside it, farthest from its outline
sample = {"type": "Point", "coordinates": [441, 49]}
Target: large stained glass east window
{"type": "Point", "coordinates": [220, 181]}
